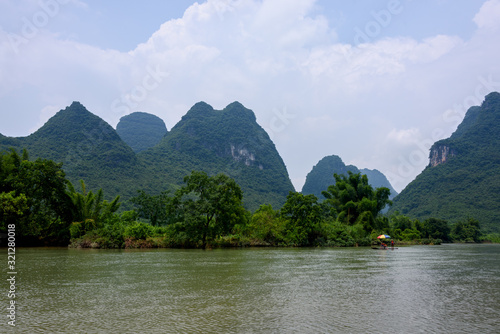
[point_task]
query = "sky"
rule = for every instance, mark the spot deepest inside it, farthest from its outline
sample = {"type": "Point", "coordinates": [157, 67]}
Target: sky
{"type": "Point", "coordinates": [375, 82]}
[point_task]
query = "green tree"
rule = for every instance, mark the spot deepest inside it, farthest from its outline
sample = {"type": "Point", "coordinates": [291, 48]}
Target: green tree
{"type": "Point", "coordinates": [303, 215]}
{"type": "Point", "coordinates": [90, 210]}
{"type": "Point", "coordinates": [266, 225]}
{"type": "Point", "coordinates": [138, 230]}
{"type": "Point", "coordinates": [152, 208]}
{"type": "Point", "coordinates": [355, 200]}
{"type": "Point", "coordinates": [410, 234]}
{"type": "Point", "coordinates": [434, 228]}
{"type": "Point", "coordinates": [210, 206]}
{"type": "Point", "coordinates": [12, 208]}
{"type": "Point", "coordinates": [401, 222]}
{"type": "Point", "coordinates": [38, 194]}
{"type": "Point", "coordinates": [468, 231]}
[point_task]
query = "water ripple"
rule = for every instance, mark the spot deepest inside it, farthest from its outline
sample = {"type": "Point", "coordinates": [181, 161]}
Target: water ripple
{"type": "Point", "coordinates": [450, 288]}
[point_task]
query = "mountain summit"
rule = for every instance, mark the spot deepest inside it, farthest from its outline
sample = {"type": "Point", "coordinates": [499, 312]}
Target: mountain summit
{"type": "Point", "coordinates": [89, 148]}
{"type": "Point", "coordinates": [214, 141]}
{"type": "Point", "coordinates": [228, 141]}
{"type": "Point", "coordinates": [141, 130]}
{"type": "Point", "coordinates": [463, 176]}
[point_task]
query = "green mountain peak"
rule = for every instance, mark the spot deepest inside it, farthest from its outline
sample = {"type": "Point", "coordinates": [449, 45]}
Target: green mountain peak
{"type": "Point", "coordinates": [199, 110]}
{"type": "Point", "coordinates": [225, 141]}
{"type": "Point", "coordinates": [88, 147]}
{"type": "Point", "coordinates": [141, 130]}
{"type": "Point", "coordinates": [462, 178]}
{"type": "Point", "coordinates": [228, 141]}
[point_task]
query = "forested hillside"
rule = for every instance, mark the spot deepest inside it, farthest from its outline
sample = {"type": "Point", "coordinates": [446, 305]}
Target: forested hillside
{"type": "Point", "coordinates": [463, 175]}
{"type": "Point", "coordinates": [228, 141]}
{"type": "Point", "coordinates": [198, 183]}
{"type": "Point", "coordinates": [89, 148]}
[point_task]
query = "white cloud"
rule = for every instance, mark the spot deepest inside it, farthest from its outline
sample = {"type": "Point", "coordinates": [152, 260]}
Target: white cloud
{"type": "Point", "coordinates": [370, 102]}
{"type": "Point", "coordinates": [489, 15]}
{"type": "Point", "coordinates": [46, 113]}
{"type": "Point", "coordinates": [404, 136]}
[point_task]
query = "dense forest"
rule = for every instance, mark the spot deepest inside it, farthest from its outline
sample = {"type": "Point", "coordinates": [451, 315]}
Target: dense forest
{"type": "Point", "coordinates": [207, 211]}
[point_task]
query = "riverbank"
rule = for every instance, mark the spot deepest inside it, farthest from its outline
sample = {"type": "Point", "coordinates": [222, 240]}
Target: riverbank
{"type": "Point", "coordinates": [227, 242]}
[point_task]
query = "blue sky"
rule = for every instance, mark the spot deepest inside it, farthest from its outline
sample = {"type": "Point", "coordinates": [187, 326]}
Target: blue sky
{"type": "Point", "coordinates": [375, 81]}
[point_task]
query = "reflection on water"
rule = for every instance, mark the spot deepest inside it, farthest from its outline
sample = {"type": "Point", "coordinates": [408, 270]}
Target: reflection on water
{"type": "Point", "coordinates": [449, 288]}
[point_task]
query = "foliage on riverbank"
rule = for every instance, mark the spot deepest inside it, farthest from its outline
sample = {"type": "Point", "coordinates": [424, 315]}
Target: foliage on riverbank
{"type": "Point", "coordinates": [207, 212]}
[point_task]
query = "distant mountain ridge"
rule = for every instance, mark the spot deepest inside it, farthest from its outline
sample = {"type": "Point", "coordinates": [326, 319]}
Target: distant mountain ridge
{"type": "Point", "coordinates": [463, 176]}
{"type": "Point", "coordinates": [141, 130]}
{"type": "Point", "coordinates": [228, 141]}
{"type": "Point", "coordinates": [321, 176]}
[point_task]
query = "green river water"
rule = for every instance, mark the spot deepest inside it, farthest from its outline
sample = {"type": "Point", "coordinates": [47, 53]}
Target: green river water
{"type": "Point", "coordinates": [418, 289]}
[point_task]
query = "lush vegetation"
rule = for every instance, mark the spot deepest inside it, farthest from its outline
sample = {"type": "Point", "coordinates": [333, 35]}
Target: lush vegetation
{"type": "Point", "coordinates": [241, 194]}
{"type": "Point", "coordinates": [88, 148]}
{"type": "Point", "coordinates": [141, 130]}
{"type": "Point", "coordinates": [33, 196]}
{"type": "Point", "coordinates": [467, 184]}
{"type": "Point", "coordinates": [207, 211]}
{"type": "Point", "coordinates": [228, 141]}
{"type": "Point", "coordinates": [42, 203]}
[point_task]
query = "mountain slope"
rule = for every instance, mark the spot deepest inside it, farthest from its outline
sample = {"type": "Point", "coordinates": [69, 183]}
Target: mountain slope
{"type": "Point", "coordinates": [89, 148]}
{"type": "Point", "coordinates": [228, 141]}
{"type": "Point", "coordinates": [377, 179]}
{"type": "Point", "coordinates": [321, 176]}
{"type": "Point", "coordinates": [463, 176]}
{"type": "Point", "coordinates": [141, 130]}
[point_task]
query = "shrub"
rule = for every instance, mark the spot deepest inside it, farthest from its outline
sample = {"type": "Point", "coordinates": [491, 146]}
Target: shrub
{"type": "Point", "coordinates": [138, 230]}
{"type": "Point", "coordinates": [76, 230]}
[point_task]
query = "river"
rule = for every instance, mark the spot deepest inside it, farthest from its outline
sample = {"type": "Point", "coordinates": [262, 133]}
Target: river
{"type": "Point", "coordinates": [417, 289]}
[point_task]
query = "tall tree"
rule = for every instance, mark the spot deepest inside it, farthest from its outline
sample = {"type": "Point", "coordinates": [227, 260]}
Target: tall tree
{"type": "Point", "coordinates": [153, 208]}
{"type": "Point", "coordinates": [210, 206]}
{"type": "Point", "coordinates": [355, 200]}
{"type": "Point", "coordinates": [303, 215]}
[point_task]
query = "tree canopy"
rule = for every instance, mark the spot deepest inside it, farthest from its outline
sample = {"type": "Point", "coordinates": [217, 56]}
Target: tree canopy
{"type": "Point", "coordinates": [209, 205]}
{"type": "Point", "coordinates": [33, 196]}
{"type": "Point", "coordinates": [207, 211]}
{"type": "Point", "coordinates": [354, 199]}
